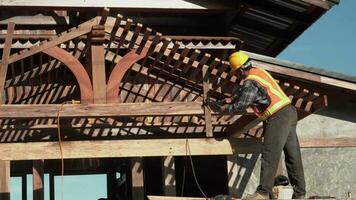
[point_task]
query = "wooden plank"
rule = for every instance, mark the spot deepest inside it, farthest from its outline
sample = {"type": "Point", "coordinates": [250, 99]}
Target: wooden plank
{"type": "Point", "coordinates": [4, 179]}
{"type": "Point", "coordinates": [38, 179]}
{"type": "Point", "coordinates": [207, 113]}
{"type": "Point", "coordinates": [327, 142]}
{"type": "Point", "coordinates": [101, 110]}
{"type": "Point", "coordinates": [137, 179]}
{"type": "Point", "coordinates": [169, 176]}
{"type": "Point", "coordinates": [5, 58]}
{"type": "Point", "coordinates": [114, 148]}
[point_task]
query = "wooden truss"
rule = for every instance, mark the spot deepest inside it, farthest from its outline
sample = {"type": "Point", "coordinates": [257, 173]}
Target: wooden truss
{"type": "Point", "coordinates": [132, 82]}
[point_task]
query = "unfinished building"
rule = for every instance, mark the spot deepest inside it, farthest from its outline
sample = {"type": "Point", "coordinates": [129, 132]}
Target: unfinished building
{"type": "Point", "coordinates": [87, 90]}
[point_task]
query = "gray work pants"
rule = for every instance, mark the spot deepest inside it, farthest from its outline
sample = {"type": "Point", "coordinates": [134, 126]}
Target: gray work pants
{"type": "Point", "coordinates": [280, 134]}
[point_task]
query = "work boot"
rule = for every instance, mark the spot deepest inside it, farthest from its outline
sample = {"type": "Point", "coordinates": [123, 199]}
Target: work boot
{"type": "Point", "coordinates": [256, 196]}
{"type": "Point", "coordinates": [298, 196]}
{"type": "Point", "coordinates": [222, 197]}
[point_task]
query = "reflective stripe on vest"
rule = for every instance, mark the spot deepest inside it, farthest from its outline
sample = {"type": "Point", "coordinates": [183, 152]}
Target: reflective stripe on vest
{"type": "Point", "coordinates": [276, 104]}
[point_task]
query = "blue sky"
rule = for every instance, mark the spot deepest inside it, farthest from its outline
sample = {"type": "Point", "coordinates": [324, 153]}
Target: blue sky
{"type": "Point", "coordinates": [89, 187]}
{"type": "Point", "coordinates": [330, 43]}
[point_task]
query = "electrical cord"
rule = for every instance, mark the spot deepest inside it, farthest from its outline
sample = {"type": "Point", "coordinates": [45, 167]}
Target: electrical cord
{"type": "Point", "coordinates": [60, 142]}
{"type": "Point", "coordinates": [193, 169]}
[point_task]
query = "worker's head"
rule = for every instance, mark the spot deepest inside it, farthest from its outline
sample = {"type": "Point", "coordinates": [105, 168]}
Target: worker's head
{"type": "Point", "coordinates": [239, 60]}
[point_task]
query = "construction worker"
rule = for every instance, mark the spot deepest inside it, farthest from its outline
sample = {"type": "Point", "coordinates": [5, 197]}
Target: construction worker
{"type": "Point", "coordinates": [261, 92]}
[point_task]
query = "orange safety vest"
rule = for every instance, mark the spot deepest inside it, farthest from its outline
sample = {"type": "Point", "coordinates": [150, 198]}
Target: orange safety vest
{"type": "Point", "coordinates": [278, 98]}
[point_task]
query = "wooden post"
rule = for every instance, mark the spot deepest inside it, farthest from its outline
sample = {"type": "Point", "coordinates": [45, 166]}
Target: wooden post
{"type": "Point", "coordinates": [24, 186]}
{"type": "Point", "coordinates": [110, 182]}
{"type": "Point", "coordinates": [207, 113]}
{"type": "Point", "coordinates": [5, 57]}
{"type": "Point", "coordinates": [97, 63]}
{"type": "Point", "coordinates": [37, 172]}
{"type": "Point", "coordinates": [5, 164]}
{"type": "Point", "coordinates": [51, 186]}
{"type": "Point", "coordinates": [137, 191]}
{"type": "Point", "coordinates": [169, 176]}
{"type": "Point", "coordinates": [4, 180]}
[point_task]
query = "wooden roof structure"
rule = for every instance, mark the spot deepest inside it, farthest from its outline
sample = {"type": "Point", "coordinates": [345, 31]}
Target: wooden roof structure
{"type": "Point", "coordinates": [131, 85]}
{"type": "Point", "coordinates": [141, 91]}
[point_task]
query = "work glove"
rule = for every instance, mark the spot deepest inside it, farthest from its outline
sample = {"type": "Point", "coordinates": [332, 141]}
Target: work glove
{"type": "Point", "coordinates": [215, 106]}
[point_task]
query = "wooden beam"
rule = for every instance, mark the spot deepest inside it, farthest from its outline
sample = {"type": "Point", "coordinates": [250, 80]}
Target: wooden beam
{"type": "Point", "coordinates": [37, 20]}
{"type": "Point", "coordinates": [128, 4]}
{"type": "Point", "coordinates": [101, 110]}
{"type": "Point", "coordinates": [38, 179]}
{"type": "Point", "coordinates": [114, 148]}
{"type": "Point", "coordinates": [270, 64]}
{"type": "Point", "coordinates": [320, 3]}
{"type": "Point", "coordinates": [5, 58]}
{"type": "Point", "coordinates": [137, 179]}
{"type": "Point", "coordinates": [254, 145]}
{"type": "Point", "coordinates": [4, 179]}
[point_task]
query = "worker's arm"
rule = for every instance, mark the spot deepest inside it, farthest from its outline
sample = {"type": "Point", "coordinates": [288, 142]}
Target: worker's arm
{"type": "Point", "coordinates": [243, 99]}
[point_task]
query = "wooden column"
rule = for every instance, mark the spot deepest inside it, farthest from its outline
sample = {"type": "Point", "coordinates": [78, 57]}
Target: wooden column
{"type": "Point", "coordinates": [96, 63]}
{"type": "Point", "coordinates": [4, 180]}
{"type": "Point", "coordinates": [207, 113]}
{"type": "Point", "coordinates": [169, 176]}
{"type": "Point", "coordinates": [5, 57]}
{"type": "Point", "coordinates": [51, 186]}
{"type": "Point", "coordinates": [111, 182]}
{"type": "Point", "coordinates": [137, 191]}
{"type": "Point", "coordinates": [37, 172]}
{"type": "Point", "coordinates": [5, 164]}
{"type": "Point", "coordinates": [24, 186]}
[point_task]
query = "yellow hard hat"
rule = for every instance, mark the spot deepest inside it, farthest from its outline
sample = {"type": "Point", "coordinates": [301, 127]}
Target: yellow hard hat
{"type": "Point", "coordinates": [237, 59]}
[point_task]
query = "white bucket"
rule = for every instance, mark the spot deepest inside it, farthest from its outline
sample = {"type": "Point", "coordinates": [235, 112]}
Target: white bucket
{"type": "Point", "coordinates": [285, 192]}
